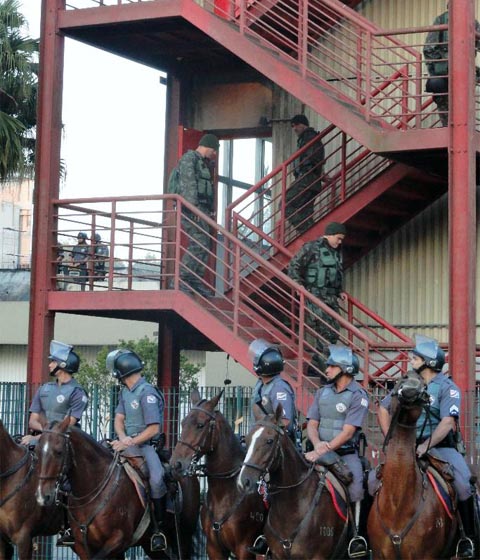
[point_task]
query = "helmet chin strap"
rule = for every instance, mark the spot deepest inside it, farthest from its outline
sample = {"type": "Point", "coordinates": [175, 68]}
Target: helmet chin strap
{"type": "Point", "coordinates": [421, 368]}
{"type": "Point", "coordinates": [54, 371]}
{"type": "Point", "coordinates": [339, 374]}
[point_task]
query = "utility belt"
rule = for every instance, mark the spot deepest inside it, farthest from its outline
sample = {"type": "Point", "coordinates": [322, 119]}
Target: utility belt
{"type": "Point", "coordinates": [347, 450]}
{"type": "Point", "coordinates": [447, 441]}
{"type": "Point", "coordinates": [324, 292]}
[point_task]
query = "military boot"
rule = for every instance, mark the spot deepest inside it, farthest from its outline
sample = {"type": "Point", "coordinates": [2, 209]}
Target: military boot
{"type": "Point", "coordinates": [357, 547]}
{"type": "Point", "coordinates": [465, 546]}
{"type": "Point", "coordinates": [158, 540]}
{"type": "Point", "coordinates": [260, 546]}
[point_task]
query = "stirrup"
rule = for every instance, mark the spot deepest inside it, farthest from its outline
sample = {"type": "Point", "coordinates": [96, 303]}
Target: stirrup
{"type": "Point", "coordinates": [465, 548]}
{"type": "Point", "coordinates": [158, 542]}
{"type": "Point", "coordinates": [65, 538]}
{"type": "Point", "coordinates": [260, 546]}
{"type": "Point", "coordinates": [357, 547]}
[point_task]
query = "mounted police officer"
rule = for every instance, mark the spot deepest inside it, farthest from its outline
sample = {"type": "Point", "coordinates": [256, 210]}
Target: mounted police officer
{"type": "Point", "coordinates": [435, 52]}
{"type": "Point", "coordinates": [192, 179]}
{"type": "Point", "coordinates": [269, 392]}
{"type": "Point", "coordinates": [335, 420]}
{"type": "Point", "coordinates": [139, 422]}
{"type": "Point", "coordinates": [318, 266]}
{"type": "Point", "coordinates": [100, 256]}
{"type": "Point", "coordinates": [437, 429]}
{"type": "Point", "coordinates": [57, 399]}
{"type": "Point", "coordinates": [307, 171]}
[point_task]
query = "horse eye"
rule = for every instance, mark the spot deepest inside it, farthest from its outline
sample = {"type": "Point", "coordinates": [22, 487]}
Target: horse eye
{"type": "Point", "coordinates": [57, 453]}
{"type": "Point", "coordinates": [270, 441]}
{"type": "Point", "coordinates": [200, 425]}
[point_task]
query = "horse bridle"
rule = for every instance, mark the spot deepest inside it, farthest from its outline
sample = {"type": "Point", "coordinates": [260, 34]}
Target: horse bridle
{"type": "Point", "coordinates": [201, 448]}
{"type": "Point", "coordinates": [61, 477]}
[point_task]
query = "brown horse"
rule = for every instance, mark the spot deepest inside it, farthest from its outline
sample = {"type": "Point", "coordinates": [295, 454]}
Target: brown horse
{"type": "Point", "coordinates": [104, 509]}
{"type": "Point", "coordinates": [230, 520]}
{"type": "Point", "coordinates": [303, 520]}
{"type": "Point", "coordinates": [407, 519]}
{"type": "Point", "coordinates": [21, 518]}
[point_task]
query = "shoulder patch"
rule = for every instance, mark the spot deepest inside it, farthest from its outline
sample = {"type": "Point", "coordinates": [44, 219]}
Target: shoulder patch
{"type": "Point", "coordinates": [364, 402]}
{"type": "Point", "coordinates": [281, 396]}
{"type": "Point", "coordinates": [454, 394]}
{"type": "Point", "coordinates": [151, 399]}
{"type": "Point", "coordinates": [84, 398]}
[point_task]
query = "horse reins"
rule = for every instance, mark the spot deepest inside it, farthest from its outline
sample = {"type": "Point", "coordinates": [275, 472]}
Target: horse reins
{"type": "Point", "coordinates": [14, 469]}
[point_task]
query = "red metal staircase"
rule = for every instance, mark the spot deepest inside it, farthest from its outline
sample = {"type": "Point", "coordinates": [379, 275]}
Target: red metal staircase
{"type": "Point", "coordinates": [365, 80]}
{"type": "Point", "coordinates": [144, 282]}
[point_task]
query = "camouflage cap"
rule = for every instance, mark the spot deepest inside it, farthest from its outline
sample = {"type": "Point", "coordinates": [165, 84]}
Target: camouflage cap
{"type": "Point", "coordinates": [209, 141]}
{"type": "Point", "coordinates": [334, 228]}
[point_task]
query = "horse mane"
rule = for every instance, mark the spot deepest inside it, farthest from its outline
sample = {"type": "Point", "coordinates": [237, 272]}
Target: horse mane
{"type": "Point", "coordinates": [92, 441]}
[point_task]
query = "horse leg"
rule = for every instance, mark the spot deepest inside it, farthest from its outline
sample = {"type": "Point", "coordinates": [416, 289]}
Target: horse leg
{"type": "Point", "coordinates": [215, 551]}
{"type": "Point", "coordinates": [25, 548]}
{"type": "Point", "coordinates": [6, 549]}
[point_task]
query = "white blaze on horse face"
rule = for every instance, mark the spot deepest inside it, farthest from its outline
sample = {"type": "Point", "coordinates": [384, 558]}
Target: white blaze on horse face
{"type": "Point", "coordinates": [251, 449]}
{"type": "Point", "coordinates": [38, 493]}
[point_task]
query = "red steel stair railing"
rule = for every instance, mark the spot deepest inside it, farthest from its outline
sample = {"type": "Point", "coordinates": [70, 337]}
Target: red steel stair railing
{"type": "Point", "coordinates": [146, 241]}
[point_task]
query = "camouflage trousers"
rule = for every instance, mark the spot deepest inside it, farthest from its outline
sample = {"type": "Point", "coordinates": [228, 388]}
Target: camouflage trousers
{"type": "Point", "coordinates": [196, 255]}
{"type": "Point", "coordinates": [325, 327]}
{"type": "Point", "coordinates": [442, 105]}
{"type": "Point", "coordinates": [300, 200]}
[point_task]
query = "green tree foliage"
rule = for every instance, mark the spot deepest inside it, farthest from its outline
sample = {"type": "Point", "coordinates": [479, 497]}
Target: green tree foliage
{"type": "Point", "coordinates": [18, 93]}
{"type": "Point", "coordinates": [96, 375]}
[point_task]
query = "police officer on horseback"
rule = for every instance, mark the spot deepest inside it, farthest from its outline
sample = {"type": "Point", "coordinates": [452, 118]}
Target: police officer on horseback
{"type": "Point", "coordinates": [438, 431]}
{"type": "Point", "coordinates": [335, 420]}
{"type": "Point", "coordinates": [139, 422]}
{"type": "Point", "coordinates": [269, 392]}
{"type": "Point", "coordinates": [57, 399]}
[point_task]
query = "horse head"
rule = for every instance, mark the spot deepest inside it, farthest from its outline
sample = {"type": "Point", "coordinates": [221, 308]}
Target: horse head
{"type": "Point", "coordinates": [54, 456]}
{"type": "Point", "coordinates": [264, 443]}
{"type": "Point", "coordinates": [198, 435]}
{"type": "Point", "coordinates": [409, 397]}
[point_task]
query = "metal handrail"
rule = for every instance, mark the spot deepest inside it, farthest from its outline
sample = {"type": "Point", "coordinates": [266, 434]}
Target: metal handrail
{"type": "Point", "coordinates": [281, 309]}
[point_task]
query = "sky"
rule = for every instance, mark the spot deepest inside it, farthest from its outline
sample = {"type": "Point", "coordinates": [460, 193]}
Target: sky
{"type": "Point", "coordinates": [113, 117]}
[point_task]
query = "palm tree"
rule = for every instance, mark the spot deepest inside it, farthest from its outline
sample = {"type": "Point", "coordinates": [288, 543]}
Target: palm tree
{"type": "Point", "coordinates": [18, 93]}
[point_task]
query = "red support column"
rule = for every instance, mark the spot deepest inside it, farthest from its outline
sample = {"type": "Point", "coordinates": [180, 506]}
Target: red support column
{"type": "Point", "coordinates": [47, 177]}
{"type": "Point", "coordinates": [461, 198]}
{"type": "Point", "coordinates": [168, 367]}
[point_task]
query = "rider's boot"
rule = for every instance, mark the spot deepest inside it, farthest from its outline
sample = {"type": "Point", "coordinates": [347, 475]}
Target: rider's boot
{"type": "Point", "coordinates": [465, 546]}
{"type": "Point", "coordinates": [260, 546]}
{"type": "Point", "coordinates": [65, 537]}
{"type": "Point", "coordinates": [357, 547]}
{"type": "Point", "coordinates": [158, 540]}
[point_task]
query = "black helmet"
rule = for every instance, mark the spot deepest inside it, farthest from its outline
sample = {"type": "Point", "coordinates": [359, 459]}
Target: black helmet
{"type": "Point", "coordinates": [344, 358]}
{"type": "Point", "coordinates": [64, 356]}
{"type": "Point", "coordinates": [122, 363]}
{"type": "Point", "coordinates": [267, 358]}
{"type": "Point", "coordinates": [428, 349]}
{"type": "Point", "coordinates": [82, 235]}
{"type": "Point", "coordinates": [97, 238]}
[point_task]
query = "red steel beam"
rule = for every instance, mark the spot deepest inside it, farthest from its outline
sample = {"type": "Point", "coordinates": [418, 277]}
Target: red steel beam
{"type": "Point", "coordinates": [462, 207]}
{"type": "Point", "coordinates": [47, 179]}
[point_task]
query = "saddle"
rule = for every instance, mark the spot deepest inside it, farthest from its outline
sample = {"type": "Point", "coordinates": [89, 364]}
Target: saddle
{"type": "Point", "coordinates": [442, 467]}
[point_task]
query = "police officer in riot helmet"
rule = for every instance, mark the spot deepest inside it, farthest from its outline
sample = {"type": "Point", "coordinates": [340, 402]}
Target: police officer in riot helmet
{"type": "Point", "coordinates": [270, 391]}
{"type": "Point", "coordinates": [55, 400]}
{"type": "Point", "coordinates": [335, 420]}
{"type": "Point", "coordinates": [100, 256]}
{"type": "Point", "coordinates": [139, 422]}
{"type": "Point", "coordinates": [436, 435]}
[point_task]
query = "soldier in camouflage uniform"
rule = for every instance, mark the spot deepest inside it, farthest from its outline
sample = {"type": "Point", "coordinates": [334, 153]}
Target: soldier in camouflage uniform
{"type": "Point", "coordinates": [435, 52]}
{"type": "Point", "coordinates": [318, 266]}
{"type": "Point", "coordinates": [301, 195]}
{"type": "Point", "coordinates": [192, 179]}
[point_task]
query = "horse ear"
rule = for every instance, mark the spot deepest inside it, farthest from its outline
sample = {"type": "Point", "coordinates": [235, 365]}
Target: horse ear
{"type": "Point", "coordinates": [195, 396]}
{"type": "Point", "coordinates": [279, 414]}
{"type": "Point", "coordinates": [258, 413]}
{"type": "Point", "coordinates": [216, 398]}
